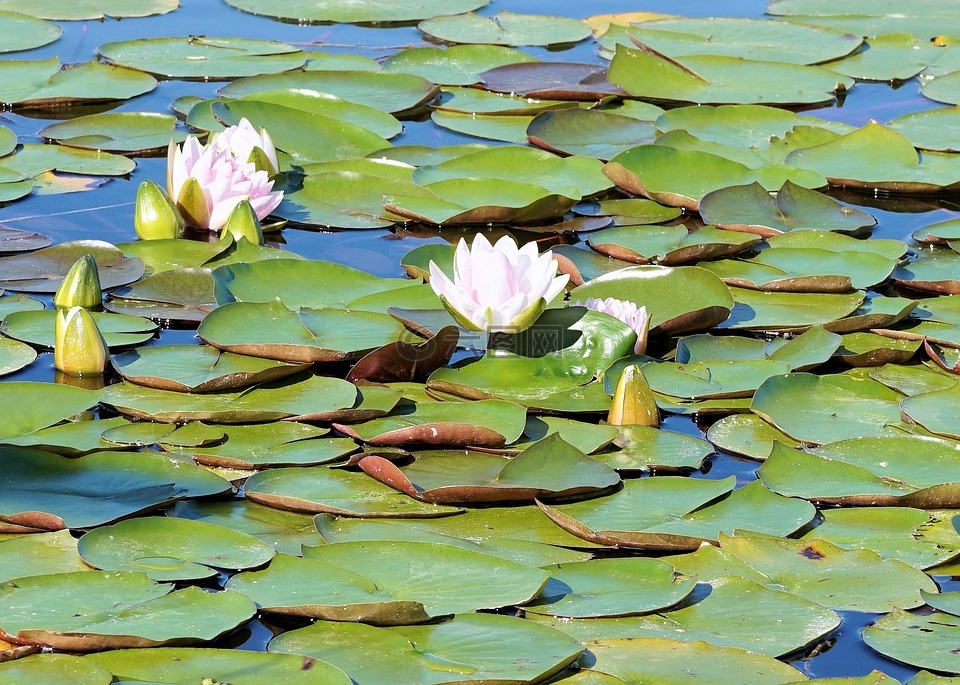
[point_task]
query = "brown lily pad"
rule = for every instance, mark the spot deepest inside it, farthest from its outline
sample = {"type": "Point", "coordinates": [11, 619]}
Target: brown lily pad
{"type": "Point", "coordinates": [552, 81]}
{"type": "Point", "coordinates": [400, 361]}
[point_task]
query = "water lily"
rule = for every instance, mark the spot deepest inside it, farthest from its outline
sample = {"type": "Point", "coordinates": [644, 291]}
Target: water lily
{"type": "Point", "coordinates": [155, 216]}
{"type": "Point", "coordinates": [206, 183]}
{"type": "Point", "coordinates": [247, 144]}
{"type": "Point", "coordinates": [628, 312]}
{"type": "Point", "coordinates": [80, 287]}
{"type": "Point", "coordinates": [498, 287]}
{"type": "Point", "coordinates": [243, 223]}
{"type": "Point", "coordinates": [79, 348]}
{"type": "Point", "coordinates": [633, 402]}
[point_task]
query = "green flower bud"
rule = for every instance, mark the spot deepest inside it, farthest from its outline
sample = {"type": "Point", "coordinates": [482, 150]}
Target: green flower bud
{"type": "Point", "coordinates": [243, 223]}
{"type": "Point", "coordinates": [81, 286]}
{"type": "Point", "coordinates": [79, 348]}
{"type": "Point", "coordinates": [155, 216]}
{"type": "Point", "coordinates": [633, 402]}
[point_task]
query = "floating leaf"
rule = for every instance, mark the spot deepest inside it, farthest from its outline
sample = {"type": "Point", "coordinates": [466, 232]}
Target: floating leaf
{"type": "Point", "coordinates": [357, 12]}
{"type": "Point", "coordinates": [42, 271]}
{"type": "Point", "coordinates": [775, 311]}
{"type": "Point", "coordinates": [668, 245]}
{"type": "Point", "coordinates": [89, 9]}
{"type": "Point", "coordinates": [590, 132]}
{"type": "Point", "coordinates": [54, 668]}
{"type": "Point", "coordinates": [22, 32]}
{"type": "Point", "coordinates": [44, 83]}
{"type": "Point", "coordinates": [126, 132]}
{"type": "Point", "coordinates": [924, 641]}
{"type": "Point", "coordinates": [506, 28]}
{"type": "Point", "coordinates": [15, 355]}
{"type": "Point", "coordinates": [936, 411]}
{"type": "Point", "coordinates": [39, 554]}
{"type": "Point", "coordinates": [552, 81]}
{"type": "Point", "coordinates": [645, 448]}
{"type": "Point", "coordinates": [38, 328]}
{"type": "Point", "coordinates": [40, 405]}
{"type": "Point", "coordinates": [707, 380]}
{"type": "Point", "coordinates": [456, 65]}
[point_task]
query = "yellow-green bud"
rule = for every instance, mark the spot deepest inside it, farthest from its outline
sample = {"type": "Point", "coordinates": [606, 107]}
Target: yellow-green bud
{"type": "Point", "coordinates": [156, 217]}
{"type": "Point", "coordinates": [633, 402]}
{"type": "Point", "coordinates": [79, 348]}
{"type": "Point", "coordinates": [81, 286]}
{"type": "Point", "coordinates": [243, 223]}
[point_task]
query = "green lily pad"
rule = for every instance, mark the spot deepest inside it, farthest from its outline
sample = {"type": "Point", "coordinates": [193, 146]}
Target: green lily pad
{"type": "Point", "coordinates": [469, 648]}
{"type": "Point", "coordinates": [284, 530]}
{"type": "Point", "coordinates": [506, 28]}
{"type": "Point", "coordinates": [71, 438]}
{"type": "Point", "coordinates": [845, 580]}
{"type": "Point", "coordinates": [584, 265]}
{"type": "Point", "coordinates": [747, 435]}
{"type": "Point", "coordinates": [749, 39]}
{"type": "Point", "coordinates": [670, 661]}
{"type": "Point", "coordinates": [39, 554]}
{"type": "Point", "coordinates": [869, 349]}
{"type": "Point", "coordinates": [365, 116]}
{"type": "Point", "coordinates": [45, 83]}
{"type": "Point", "coordinates": [699, 299]}
{"type": "Point", "coordinates": [776, 311]}
{"type": "Point", "coordinates": [778, 622]}
{"type": "Point", "coordinates": [293, 282]}
{"type": "Point", "coordinates": [55, 669]}
{"type": "Point", "coordinates": [103, 487]}
{"type": "Point", "coordinates": [936, 411]}
{"type": "Point", "coordinates": [751, 208]}
{"type": "Point", "coordinates": [890, 57]}
{"type": "Point", "coordinates": [913, 379]}
{"type": "Point", "coordinates": [525, 552]}
{"type": "Point", "coordinates": [38, 328]}
{"type": "Point", "coordinates": [862, 472]}
{"type": "Point", "coordinates": [144, 433]}
{"type": "Point", "coordinates": [679, 513]}
{"type": "Point", "coordinates": [356, 12]}
{"type": "Point", "coordinates": [508, 129]}
{"type": "Point", "coordinates": [22, 32]}
{"type": "Point", "coordinates": [922, 539]}
{"type": "Point", "coordinates": [945, 88]}
{"type": "Point", "coordinates": [422, 155]}
{"type": "Point", "coordinates": [40, 405]}
{"type": "Point", "coordinates": [923, 641]}
{"type": "Point", "coordinates": [609, 587]}
{"type": "Point", "coordinates": [275, 444]}
{"type": "Point", "coordinates": [549, 468]}
{"type": "Point", "coordinates": [668, 245]}
{"type": "Point", "coordinates": [711, 380]}
{"type": "Point", "coordinates": [35, 160]}
{"type": "Point", "coordinates": [931, 272]}
{"type": "Point", "coordinates": [940, 233]}
{"type": "Point", "coordinates": [586, 437]}
{"type": "Point", "coordinates": [272, 331]}
{"type": "Point", "coordinates": [824, 409]}
{"type": "Point", "coordinates": [645, 447]}
{"type": "Point", "coordinates": [43, 271]}
{"type": "Point", "coordinates": [322, 490]}
{"type": "Point", "coordinates": [391, 92]}
{"type": "Point", "coordinates": [90, 610]}
{"type": "Point", "coordinates": [805, 351]}
{"type": "Point", "coordinates": [682, 178]}
{"type": "Point", "coordinates": [387, 582]}
{"type": "Point", "coordinates": [629, 212]}
{"type": "Point", "coordinates": [878, 158]}
{"type": "Point", "coordinates": [295, 397]}
{"type": "Point", "coordinates": [172, 548]}
{"type": "Point", "coordinates": [456, 65]}
{"type": "Point", "coordinates": [930, 129]}
{"type": "Point", "coordinates": [89, 9]}
{"type": "Point", "coordinates": [197, 368]}
{"type": "Point", "coordinates": [177, 294]}
{"type": "Point", "coordinates": [712, 79]}
{"type": "Point", "coordinates": [838, 242]}
{"type": "Point", "coordinates": [15, 355]}
{"type": "Point", "coordinates": [169, 666]}
{"type": "Point", "coordinates": [589, 132]}
{"type": "Point", "coordinates": [202, 57]}
{"type": "Point", "coordinates": [477, 101]}
{"type": "Point", "coordinates": [127, 132]}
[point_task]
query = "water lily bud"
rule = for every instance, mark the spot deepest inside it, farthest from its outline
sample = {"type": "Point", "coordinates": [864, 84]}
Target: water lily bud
{"type": "Point", "coordinates": [243, 223]}
{"type": "Point", "coordinates": [155, 216]}
{"type": "Point", "coordinates": [633, 402]}
{"type": "Point", "coordinates": [81, 286]}
{"type": "Point", "coordinates": [79, 348]}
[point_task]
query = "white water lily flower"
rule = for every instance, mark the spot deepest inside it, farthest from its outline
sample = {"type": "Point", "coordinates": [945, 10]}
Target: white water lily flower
{"type": "Point", "coordinates": [247, 144]}
{"type": "Point", "coordinates": [206, 184]}
{"type": "Point", "coordinates": [498, 287]}
{"type": "Point", "coordinates": [628, 312]}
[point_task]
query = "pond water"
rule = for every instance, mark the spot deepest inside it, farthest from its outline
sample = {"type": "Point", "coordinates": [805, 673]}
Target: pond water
{"type": "Point", "coordinates": [106, 213]}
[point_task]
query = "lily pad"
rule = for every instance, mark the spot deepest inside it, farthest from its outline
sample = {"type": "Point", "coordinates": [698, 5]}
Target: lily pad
{"type": "Point", "coordinates": [552, 81]}
{"type": "Point", "coordinates": [679, 513]}
{"type": "Point", "coordinates": [272, 331]}
{"type": "Point", "coordinates": [91, 610]}
{"type": "Point", "coordinates": [376, 120]}
{"type": "Point", "coordinates": [508, 129]}
{"type": "Point", "coordinates": [645, 448]}
{"type": "Point", "coordinates": [45, 83]}
{"type": "Point", "coordinates": [14, 240]}
{"type": "Point", "coordinates": [23, 32]}
{"type": "Point", "coordinates": [295, 397]}
{"type": "Point", "coordinates": [40, 405]}
{"type": "Point", "coordinates": [937, 411]}
{"type": "Point", "coordinates": [35, 160]}
{"type": "Point", "coordinates": [177, 294]}
{"type": "Point", "coordinates": [103, 487]}
{"type": "Point", "coordinates": [700, 300]}
{"type": "Point", "coordinates": [38, 328]}
{"type": "Point", "coordinates": [933, 272]}
{"type": "Point", "coordinates": [172, 548]}
{"type": "Point", "coordinates": [929, 129]}
{"type": "Point", "coordinates": [712, 79]}
{"type": "Point", "coordinates": [824, 409]}
{"type": "Point", "coordinates": [919, 640]}
{"type": "Point", "coordinates": [747, 435]}
{"type": "Point", "coordinates": [668, 245]}
{"type": "Point", "coordinates": [127, 132]}
{"type": "Point", "coordinates": [357, 12]}
{"type": "Point", "coordinates": [869, 349]}
{"type": "Point", "coordinates": [89, 9]}
{"type": "Point", "coordinates": [42, 271]}
{"type": "Point", "coordinates": [456, 65]}
{"type": "Point", "coordinates": [387, 583]}
{"type": "Point", "coordinates": [751, 208]}
{"type": "Point", "coordinates": [549, 468]}
{"type": "Point", "coordinates": [39, 554]}
{"type": "Point", "coordinates": [711, 380]}
{"type": "Point", "coordinates": [469, 648]}
{"type": "Point", "coordinates": [506, 28]}
{"type": "Point", "coordinates": [55, 669]}
{"type": "Point", "coordinates": [776, 311]}
{"type": "Point", "coordinates": [202, 57]}
{"type": "Point", "coordinates": [609, 587]}
{"type": "Point", "coordinates": [322, 490]}
{"type": "Point", "coordinates": [72, 438]}
{"type": "Point", "coordinates": [15, 355]}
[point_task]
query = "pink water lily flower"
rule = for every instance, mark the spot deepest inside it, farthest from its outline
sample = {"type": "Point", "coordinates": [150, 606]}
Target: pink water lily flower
{"type": "Point", "coordinates": [247, 144]}
{"type": "Point", "coordinates": [628, 312]}
{"type": "Point", "coordinates": [207, 183]}
{"type": "Point", "coordinates": [498, 287]}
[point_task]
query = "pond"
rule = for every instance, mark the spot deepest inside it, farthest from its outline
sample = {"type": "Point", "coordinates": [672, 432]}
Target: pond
{"type": "Point", "coordinates": [242, 481]}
